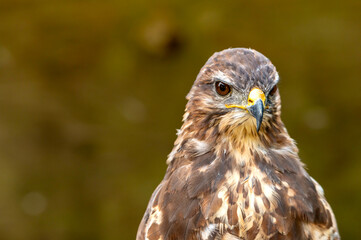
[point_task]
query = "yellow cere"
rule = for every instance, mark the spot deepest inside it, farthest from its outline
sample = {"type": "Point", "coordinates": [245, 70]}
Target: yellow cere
{"type": "Point", "coordinates": [254, 94]}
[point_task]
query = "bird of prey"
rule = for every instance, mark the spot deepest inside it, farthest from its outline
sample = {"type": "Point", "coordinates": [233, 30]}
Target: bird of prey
{"type": "Point", "coordinates": [234, 172]}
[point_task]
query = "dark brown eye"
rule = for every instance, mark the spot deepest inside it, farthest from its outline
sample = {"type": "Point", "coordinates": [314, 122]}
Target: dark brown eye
{"type": "Point", "coordinates": [273, 90]}
{"type": "Point", "coordinates": [222, 88]}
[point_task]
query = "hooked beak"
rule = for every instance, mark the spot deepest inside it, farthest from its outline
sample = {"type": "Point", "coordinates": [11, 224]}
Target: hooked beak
{"type": "Point", "coordinates": [256, 110]}
{"type": "Point", "coordinates": [255, 106]}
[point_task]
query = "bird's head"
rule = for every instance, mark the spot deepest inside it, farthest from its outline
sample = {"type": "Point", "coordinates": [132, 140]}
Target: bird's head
{"type": "Point", "coordinates": [235, 89]}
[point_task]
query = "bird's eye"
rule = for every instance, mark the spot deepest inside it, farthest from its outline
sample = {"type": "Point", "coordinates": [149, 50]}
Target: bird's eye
{"type": "Point", "coordinates": [273, 90]}
{"type": "Point", "coordinates": [222, 88]}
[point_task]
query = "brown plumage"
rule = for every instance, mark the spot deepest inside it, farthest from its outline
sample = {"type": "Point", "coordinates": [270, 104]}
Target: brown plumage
{"type": "Point", "coordinates": [234, 172]}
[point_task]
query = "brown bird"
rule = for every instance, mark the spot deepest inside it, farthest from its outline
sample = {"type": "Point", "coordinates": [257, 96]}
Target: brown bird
{"type": "Point", "coordinates": [234, 172]}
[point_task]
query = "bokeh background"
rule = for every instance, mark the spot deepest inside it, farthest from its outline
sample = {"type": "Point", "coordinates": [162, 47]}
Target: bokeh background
{"type": "Point", "coordinates": [91, 94]}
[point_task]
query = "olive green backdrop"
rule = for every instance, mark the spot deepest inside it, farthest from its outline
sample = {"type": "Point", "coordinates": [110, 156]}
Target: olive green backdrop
{"type": "Point", "coordinates": [91, 94]}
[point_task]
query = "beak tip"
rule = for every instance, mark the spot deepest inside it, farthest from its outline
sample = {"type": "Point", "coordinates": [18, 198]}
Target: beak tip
{"type": "Point", "coordinates": [258, 126]}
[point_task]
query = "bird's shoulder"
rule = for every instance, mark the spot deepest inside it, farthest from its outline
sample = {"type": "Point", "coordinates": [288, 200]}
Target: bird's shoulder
{"type": "Point", "coordinates": [206, 196]}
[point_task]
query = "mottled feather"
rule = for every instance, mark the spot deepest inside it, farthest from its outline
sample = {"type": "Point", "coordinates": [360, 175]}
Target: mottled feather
{"type": "Point", "coordinates": [224, 179]}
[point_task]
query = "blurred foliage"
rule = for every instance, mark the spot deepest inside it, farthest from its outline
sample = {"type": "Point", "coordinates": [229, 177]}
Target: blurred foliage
{"type": "Point", "coordinates": [91, 93]}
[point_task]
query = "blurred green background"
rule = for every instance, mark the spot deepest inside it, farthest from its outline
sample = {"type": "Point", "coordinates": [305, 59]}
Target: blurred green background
{"type": "Point", "coordinates": [91, 94]}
